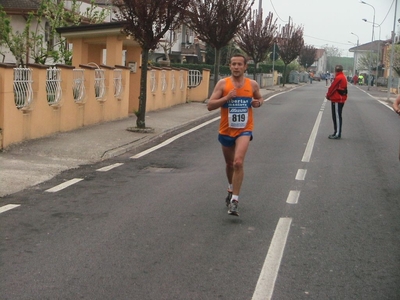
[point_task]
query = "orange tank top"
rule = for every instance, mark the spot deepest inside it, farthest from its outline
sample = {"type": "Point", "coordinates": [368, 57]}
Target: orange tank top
{"type": "Point", "coordinates": [237, 113]}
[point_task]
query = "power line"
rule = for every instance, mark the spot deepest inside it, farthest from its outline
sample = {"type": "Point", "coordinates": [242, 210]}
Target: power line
{"type": "Point", "coordinates": [387, 13]}
{"type": "Point", "coordinates": [276, 12]}
{"type": "Point", "coordinates": [326, 40]}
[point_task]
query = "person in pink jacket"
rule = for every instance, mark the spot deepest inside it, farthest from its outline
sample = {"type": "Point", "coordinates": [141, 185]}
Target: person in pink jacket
{"type": "Point", "coordinates": [337, 94]}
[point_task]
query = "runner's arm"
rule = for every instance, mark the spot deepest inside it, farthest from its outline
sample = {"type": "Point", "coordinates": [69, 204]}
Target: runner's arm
{"type": "Point", "coordinates": [257, 98]}
{"type": "Point", "coordinates": [396, 104]}
{"type": "Point", "coordinates": [217, 100]}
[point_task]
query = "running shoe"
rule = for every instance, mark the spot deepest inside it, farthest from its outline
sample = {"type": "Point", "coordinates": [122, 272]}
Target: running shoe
{"type": "Point", "coordinates": [334, 137]}
{"type": "Point", "coordinates": [233, 208]}
{"type": "Point", "coordinates": [228, 198]}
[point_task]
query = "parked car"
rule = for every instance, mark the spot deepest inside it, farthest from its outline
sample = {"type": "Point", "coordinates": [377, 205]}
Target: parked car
{"type": "Point", "coordinates": [317, 78]}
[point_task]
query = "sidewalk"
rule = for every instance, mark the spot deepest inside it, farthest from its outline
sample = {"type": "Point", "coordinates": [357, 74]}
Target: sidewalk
{"type": "Point", "coordinates": [31, 162]}
{"type": "Point", "coordinates": [380, 93]}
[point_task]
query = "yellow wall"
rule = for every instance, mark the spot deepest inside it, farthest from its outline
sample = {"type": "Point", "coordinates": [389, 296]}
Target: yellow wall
{"type": "Point", "coordinates": [200, 92]}
{"type": "Point", "coordinates": [40, 119]}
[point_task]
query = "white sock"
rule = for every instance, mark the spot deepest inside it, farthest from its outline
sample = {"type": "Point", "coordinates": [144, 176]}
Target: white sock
{"type": "Point", "coordinates": [235, 197]}
{"type": "Point", "coordinates": [230, 187]}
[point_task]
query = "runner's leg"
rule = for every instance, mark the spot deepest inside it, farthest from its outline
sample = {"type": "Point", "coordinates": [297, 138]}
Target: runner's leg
{"type": "Point", "coordinates": [242, 144]}
{"type": "Point", "coordinates": [229, 154]}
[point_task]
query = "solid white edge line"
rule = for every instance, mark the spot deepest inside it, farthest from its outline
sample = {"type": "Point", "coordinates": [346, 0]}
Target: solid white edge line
{"type": "Point", "coordinates": [8, 207]}
{"type": "Point", "coordinates": [63, 185]}
{"type": "Point", "coordinates": [269, 272]}
{"type": "Point", "coordinates": [170, 140]}
{"type": "Point", "coordinates": [293, 197]}
{"type": "Point", "coordinates": [269, 98]}
{"type": "Point", "coordinates": [301, 174]}
{"type": "Point", "coordinates": [108, 168]}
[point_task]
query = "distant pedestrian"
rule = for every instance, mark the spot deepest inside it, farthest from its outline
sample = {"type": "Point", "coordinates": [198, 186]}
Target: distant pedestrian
{"type": "Point", "coordinates": [311, 76]}
{"type": "Point", "coordinates": [235, 96]}
{"type": "Point", "coordinates": [327, 78]}
{"type": "Point", "coordinates": [337, 94]}
{"type": "Point", "coordinates": [355, 79]}
{"type": "Point", "coordinates": [361, 79]}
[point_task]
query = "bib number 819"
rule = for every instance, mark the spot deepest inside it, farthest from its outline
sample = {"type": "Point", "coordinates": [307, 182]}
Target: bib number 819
{"type": "Point", "coordinates": [238, 118]}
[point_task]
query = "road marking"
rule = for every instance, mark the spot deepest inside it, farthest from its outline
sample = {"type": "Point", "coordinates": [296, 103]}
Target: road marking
{"type": "Point", "coordinates": [110, 167]}
{"type": "Point", "coordinates": [301, 174]}
{"type": "Point", "coordinates": [63, 185]}
{"type": "Point", "coordinates": [8, 207]}
{"type": "Point", "coordinates": [293, 197]}
{"type": "Point", "coordinates": [269, 98]}
{"type": "Point", "coordinates": [269, 272]}
{"type": "Point", "coordinates": [311, 140]}
{"type": "Point", "coordinates": [170, 140]}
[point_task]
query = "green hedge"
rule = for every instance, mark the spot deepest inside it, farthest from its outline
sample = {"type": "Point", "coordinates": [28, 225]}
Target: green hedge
{"type": "Point", "coordinates": [263, 68]}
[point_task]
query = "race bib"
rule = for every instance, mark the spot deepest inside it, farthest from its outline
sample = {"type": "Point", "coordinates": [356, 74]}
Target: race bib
{"type": "Point", "coordinates": [238, 112]}
{"type": "Point", "coordinates": [238, 117]}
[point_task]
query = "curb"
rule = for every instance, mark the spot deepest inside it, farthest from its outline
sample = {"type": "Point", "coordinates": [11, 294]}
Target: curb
{"type": "Point", "coordinates": [143, 142]}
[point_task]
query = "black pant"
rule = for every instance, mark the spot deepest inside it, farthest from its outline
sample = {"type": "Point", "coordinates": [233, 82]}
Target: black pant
{"type": "Point", "coordinates": [337, 117]}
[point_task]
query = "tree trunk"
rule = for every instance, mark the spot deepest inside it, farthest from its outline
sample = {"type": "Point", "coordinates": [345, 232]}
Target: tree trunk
{"type": "Point", "coordinates": [216, 65]}
{"type": "Point", "coordinates": [284, 76]}
{"type": "Point", "coordinates": [141, 114]}
{"type": "Point", "coordinates": [255, 70]}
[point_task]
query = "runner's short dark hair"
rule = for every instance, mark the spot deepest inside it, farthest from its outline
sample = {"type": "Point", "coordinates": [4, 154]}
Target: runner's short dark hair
{"type": "Point", "coordinates": [240, 55]}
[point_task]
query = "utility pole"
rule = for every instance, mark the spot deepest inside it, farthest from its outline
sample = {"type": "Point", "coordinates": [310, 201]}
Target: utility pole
{"type": "Point", "coordinates": [391, 54]}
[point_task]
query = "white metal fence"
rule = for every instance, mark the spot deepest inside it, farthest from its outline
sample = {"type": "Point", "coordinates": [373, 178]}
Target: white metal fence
{"type": "Point", "coordinates": [53, 85]}
{"type": "Point", "coordinates": [194, 78]}
{"type": "Point", "coordinates": [99, 83]}
{"type": "Point", "coordinates": [164, 82]}
{"type": "Point", "coordinates": [23, 93]}
{"type": "Point", "coordinates": [118, 83]}
{"type": "Point", "coordinates": [153, 81]}
{"type": "Point", "coordinates": [78, 87]}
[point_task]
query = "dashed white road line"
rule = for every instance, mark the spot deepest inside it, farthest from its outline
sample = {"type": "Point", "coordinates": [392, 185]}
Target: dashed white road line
{"type": "Point", "coordinates": [63, 185]}
{"type": "Point", "coordinates": [293, 197]}
{"type": "Point", "coordinates": [311, 140]}
{"type": "Point", "coordinates": [269, 272]}
{"type": "Point", "coordinates": [110, 167]}
{"type": "Point", "coordinates": [8, 207]}
{"type": "Point", "coordinates": [170, 140]}
{"type": "Point", "coordinates": [301, 174]}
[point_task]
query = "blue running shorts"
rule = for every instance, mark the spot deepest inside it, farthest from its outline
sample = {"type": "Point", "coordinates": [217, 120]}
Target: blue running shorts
{"type": "Point", "coordinates": [228, 141]}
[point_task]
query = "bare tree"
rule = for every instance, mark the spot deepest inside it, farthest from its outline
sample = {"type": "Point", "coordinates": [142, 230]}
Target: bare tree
{"type": "Point", "coordinates": [333, 51]}
{"type": "Point", "coordinates": [307, 56]}
{"type": "Point", "coordinates": [256, 36]}
{"type": "Point", "coordinates": [367, 60]}
{"type": "Point", "coordinates": [396, 59]}
{"type": "Point", "coordinates": [290, 42]}
{"type": "Point", "coordinates": [147, 22]}
{"type": "Point", "coordinates": [216, 22]}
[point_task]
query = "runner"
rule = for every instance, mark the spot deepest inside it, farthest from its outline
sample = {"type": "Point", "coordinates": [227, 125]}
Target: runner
{"type": "Point", "coordinates": [235, 96]}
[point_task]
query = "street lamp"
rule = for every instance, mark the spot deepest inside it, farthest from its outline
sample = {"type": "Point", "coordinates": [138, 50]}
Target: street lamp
{"type": "Point", "coordinates": [358, 39]}
{"type": "Point", "coordinates": [355, 57]}
{"type": "Point", "coordinates": [379, 46]}
{"type": "Point", "coordinates": [373, 22]}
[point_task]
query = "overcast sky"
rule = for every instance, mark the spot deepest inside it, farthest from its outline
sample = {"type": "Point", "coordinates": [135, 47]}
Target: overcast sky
{"type": "Point", "coordinates": [332, 21]}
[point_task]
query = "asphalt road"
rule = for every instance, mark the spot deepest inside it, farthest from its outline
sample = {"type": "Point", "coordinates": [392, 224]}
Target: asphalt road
{"type": "Point", "coordinates": [319, 218]}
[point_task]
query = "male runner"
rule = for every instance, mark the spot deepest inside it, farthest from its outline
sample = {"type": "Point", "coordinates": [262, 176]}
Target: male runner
{"type": "Point", "coordinates": [236, 96]}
